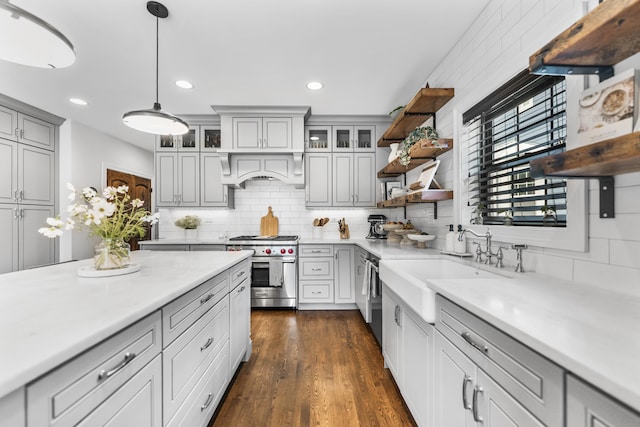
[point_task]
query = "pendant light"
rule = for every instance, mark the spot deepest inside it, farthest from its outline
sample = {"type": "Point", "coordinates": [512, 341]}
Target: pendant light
{"type": "Point", "coordinates": [28, 40]}
{"type": "Point", "coordinates": [155, 120]}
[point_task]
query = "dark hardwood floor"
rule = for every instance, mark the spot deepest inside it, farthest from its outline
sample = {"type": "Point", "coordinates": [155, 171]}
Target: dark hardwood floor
{"type": "Point", "coordinates": [312, 368]}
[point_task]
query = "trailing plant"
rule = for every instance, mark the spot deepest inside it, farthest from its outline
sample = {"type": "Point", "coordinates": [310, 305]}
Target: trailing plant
{"type": "Point", "coordinates": [418, 134]}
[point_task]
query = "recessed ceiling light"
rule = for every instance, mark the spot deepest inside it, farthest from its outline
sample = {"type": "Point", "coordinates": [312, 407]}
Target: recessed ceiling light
{"type": "Point", "coordinates": [315, 85]}
{"type": "Point", "coordinates": [184, 84]}
{"type": "Point", "coordinates": [78, 101]}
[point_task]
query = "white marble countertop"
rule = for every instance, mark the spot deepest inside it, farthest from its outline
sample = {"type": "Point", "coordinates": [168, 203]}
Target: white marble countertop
{"type": "Point", "coordinates": [210, 241]}
{"type": "Point", "coordinates": [589, 330]}
{"type": "Point", "coordinates": [48, 315]}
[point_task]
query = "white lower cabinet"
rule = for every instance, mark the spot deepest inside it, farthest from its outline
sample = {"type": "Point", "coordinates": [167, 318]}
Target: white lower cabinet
{"type": "Point", "coordinates": [96, 383]}
{"type": "Point", "coordinates": [407, 347]}
{"type": "Point", "coordinates": [466, 396]}
{"type": "Point", "coordinates": [187, 358]}
{"type": "Point", "coordinates": [239, 321]}
{"type": "Point", "coordinates": [137, 403]}
{"type": "Point", "coordinates": [588, 407]}
{"type": "Point", "coordinates": [130, 380]}
{"type": "Point", "coordinates": [12, 409]}
{"type": "Point", "coordinates": [326, 275]}
{"type": "Point", "coordinates": [483, 377]}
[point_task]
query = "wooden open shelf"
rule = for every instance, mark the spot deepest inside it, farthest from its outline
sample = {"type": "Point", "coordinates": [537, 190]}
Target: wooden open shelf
{"type": "Point", "coordinates": [419, 155]}
{"type": "Point", "coordinates": [599, 40]}
{"type": "Point", "coordinates": [424, 104]}
{"type": "Point", "coordinates": [606, 158]}
{"type": "Point", "coordinates": [424, 196]}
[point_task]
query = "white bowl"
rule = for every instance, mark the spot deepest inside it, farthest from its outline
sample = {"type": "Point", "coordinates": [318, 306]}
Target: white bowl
{"type": "Point", "coordinates": [421, 237]}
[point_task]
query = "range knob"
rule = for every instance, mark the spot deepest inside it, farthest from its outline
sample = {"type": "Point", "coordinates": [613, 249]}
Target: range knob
{"type": "Point", "coordinates": [282, 251]}
{"type": "Point", "coordinates": [290, 251]}
{"type": "Point", "coordinates": [267, 251]}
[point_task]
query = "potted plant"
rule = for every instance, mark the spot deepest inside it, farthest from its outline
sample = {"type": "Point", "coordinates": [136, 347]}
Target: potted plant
{"type": "Point", "coordinates": [190, 225]}
{"type": "Point", "coordinates": [508, 217]}
{"type": "Point", "coordinates": [478, 213]}
{"type": "Point", "coordinates": [549, 218]}
{"type": "Point", "coordinates": [396, 111]}
{"type": "Point", "coordinates": [418, 134]}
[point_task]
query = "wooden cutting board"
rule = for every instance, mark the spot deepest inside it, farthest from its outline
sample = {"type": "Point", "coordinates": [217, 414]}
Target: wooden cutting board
{"type": "Point", "coordinates": [269, 224]}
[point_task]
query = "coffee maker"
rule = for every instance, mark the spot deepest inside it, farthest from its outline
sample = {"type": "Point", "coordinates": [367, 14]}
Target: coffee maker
{"type": "Point", "coordinates": [375, 227]}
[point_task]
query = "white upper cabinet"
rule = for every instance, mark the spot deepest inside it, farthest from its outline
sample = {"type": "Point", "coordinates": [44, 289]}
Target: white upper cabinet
{"type": "Point", "coordinates": [318, 139]}
{"type": "Point", "coordinates": [318, 179]}
{"type": "Point", "coordinates": [250, 129]}
{"type": "Point", "coordinates": [36, 132]}
{"type": "Point", "coordinates": [354, 138]}
{"type": "Point", "coordinates": [190, 141]}
{"type": "Point", "coordinates": [8, 123]}
{"type": "Point", "coordinates": [267, 133]}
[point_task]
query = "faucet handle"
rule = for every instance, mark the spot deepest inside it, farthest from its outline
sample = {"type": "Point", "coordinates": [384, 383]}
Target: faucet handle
{"type": "Point", "coordinates": [478, 252]}
{"type": "Point", "coordinates": [500, 256]}
{"type": "Point", "coordinates": [519, 247]}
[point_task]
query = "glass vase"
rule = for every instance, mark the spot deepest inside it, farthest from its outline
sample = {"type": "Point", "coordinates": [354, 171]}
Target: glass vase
{"type": "Point", "coordinates": [111, 254]}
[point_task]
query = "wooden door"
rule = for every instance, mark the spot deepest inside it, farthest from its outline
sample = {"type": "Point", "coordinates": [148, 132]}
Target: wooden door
{"type": "Point", "coordinates": [139, 188]}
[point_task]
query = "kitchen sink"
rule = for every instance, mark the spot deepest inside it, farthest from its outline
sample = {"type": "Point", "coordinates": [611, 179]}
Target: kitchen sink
{"type": "Point", "coordinates": [410, 279]}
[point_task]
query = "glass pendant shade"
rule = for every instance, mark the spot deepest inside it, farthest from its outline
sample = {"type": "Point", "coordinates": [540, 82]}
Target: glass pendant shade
{"type": "Point", "coordinates": [155, 121]}
{"type": "Point", "coordinates": [28, 40]}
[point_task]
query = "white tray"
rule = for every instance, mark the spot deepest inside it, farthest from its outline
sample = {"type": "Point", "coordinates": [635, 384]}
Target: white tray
{"type": "Point", "coordinates": [466, 254]}
{"type": "Point", "coordinates": [90, 271]}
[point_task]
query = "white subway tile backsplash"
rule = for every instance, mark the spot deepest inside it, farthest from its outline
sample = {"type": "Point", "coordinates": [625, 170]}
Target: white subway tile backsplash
{"type": "Point", "coordinates": [625, 253]}
{"type": "Point", "coordinates": [611, 276]}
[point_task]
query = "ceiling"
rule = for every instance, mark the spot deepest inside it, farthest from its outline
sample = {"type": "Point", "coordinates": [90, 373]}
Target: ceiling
{"type": "Point", "coordinates": [371, 55]}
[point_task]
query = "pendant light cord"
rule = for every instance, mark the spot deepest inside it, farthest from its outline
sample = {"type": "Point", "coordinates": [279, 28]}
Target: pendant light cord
{"type": "Point", "coordinates": [157, 58]}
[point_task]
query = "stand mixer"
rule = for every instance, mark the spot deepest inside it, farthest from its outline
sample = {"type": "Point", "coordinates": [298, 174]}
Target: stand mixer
{"type": "Point", "coordinates": [376, 232]}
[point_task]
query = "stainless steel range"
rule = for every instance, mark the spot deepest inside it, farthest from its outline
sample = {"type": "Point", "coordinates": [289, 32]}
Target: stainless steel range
{"type": "Point", "coordinates": [274, 269]}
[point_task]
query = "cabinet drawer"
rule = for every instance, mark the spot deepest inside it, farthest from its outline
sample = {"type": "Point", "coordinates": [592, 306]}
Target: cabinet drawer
{"type": "Point", "coordinates": [530, 378]}
{"type": "Point", "coordinates": [316, 251]}
{"type": "Point", "coordinates": [316, 291]}
{"type": "Point", "coordinates": [70, 392]}
{"type": "Point", "coordinates": [312, 268]}
{"type": "Point", "coordinates": [181, 313]}
{"type": "Point", "coordinates": [186, 359]}
{"type": "Point", "coordinates": [137, 403]}
{"type": "Point", "coordinates": [239, 272]}
{"type": "Point", "coordinates": [199, 407]}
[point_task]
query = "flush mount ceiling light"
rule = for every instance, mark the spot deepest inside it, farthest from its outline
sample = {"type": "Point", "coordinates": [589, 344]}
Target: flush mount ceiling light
{"type": "Point", "coordinates": [314, 85]}
{"type": "Point", "coordinates": [155, 120]}
{"type": "Point", "coordinates": [28, 40]}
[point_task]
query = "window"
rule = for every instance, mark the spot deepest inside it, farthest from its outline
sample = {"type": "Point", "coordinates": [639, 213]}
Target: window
{"type": "Point", "coordinates": [521, 121]}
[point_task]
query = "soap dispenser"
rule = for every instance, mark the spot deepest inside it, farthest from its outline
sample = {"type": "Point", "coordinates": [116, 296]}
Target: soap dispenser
{"type": "Point", "coordinates": [451, 239]}
{"type": "Point", "coordinates": [461, 241]}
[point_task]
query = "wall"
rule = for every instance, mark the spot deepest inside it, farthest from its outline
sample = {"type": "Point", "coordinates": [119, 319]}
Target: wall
{"type": "Point", "coordinates": [251, 205]}
{"type": "Point", "coordinates": [85, 154]}
{"type": "Point", "coordinates": [495, 48]}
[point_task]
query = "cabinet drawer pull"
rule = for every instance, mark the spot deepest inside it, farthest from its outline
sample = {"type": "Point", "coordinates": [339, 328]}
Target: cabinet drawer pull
{"type": "Point", "coordinates": [467, 379]}
{"type": "Point", "coordinates": [242, 288]}
{"type": "Point", "coordinates": [207, 344]}
{"type": "Point", "coordinates": [207, 402]}
{"type": "Point", "coordinates": [316, 292]}
{"type": "Point", "coordinates": [316, 269]}
{"type": "Point", "coordinates": [205, 299]}
{"type": "Point", "coordinates": [481, 347]}
{"type": "Point", "coordinates": [316, 251]}
{"type": "Point", "coordinates": [240, 274]}
{"type": "Point", "coordinates": [476, 391]}
{"type": "Point", "coordinates": [104, 374]}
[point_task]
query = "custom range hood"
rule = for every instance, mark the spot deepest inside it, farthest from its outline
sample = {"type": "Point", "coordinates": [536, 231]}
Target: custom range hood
{"type": "Point", "coordinates": [262, 142]}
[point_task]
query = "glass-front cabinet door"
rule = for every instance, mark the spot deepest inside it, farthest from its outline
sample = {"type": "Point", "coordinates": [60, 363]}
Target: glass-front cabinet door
{"type": "Point", "coordinates": [317, 138]}
{"type": "Point", "coordinates": [210, 138]}
{"type": "Point", "coordinates": [364, 138]}
{"type": "Point", "coordinates": [187, 142]}
{"type": "Point", "coordinates": [342, 138]}
{"type": "Point", "coordinates": [354, 138]}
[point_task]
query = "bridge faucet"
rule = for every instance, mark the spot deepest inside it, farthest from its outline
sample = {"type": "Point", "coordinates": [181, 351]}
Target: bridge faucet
{"type": "Point", "coordinates": [479, 251]}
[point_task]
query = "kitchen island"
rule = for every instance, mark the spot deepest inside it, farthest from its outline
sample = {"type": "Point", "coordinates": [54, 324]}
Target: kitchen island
{"type": "Point", "coordinates": [50, 315]}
